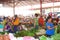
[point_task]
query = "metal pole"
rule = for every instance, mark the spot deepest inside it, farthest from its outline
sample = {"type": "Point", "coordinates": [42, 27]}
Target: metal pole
{"type": "Point", "coordinates": [14, 10]}
{"type": "Point", "coordinates": [14, 7]}
{"type": "Point", "coordinates": [53, 6]}
{"type": "Point", "coordinates": [41, 7]}
{"type": "Point", "coordinates": [31, 5]}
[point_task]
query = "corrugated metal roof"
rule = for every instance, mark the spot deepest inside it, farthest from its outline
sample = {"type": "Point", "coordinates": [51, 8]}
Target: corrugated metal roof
{"type": "Point", "coordinates": [24, 2]}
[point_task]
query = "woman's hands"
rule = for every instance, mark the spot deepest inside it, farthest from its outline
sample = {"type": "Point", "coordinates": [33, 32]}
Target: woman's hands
{"type": "Point", "coordinates": [55, 26]}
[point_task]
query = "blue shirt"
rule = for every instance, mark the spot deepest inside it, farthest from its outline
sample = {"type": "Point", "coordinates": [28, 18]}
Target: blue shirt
{"type": "Point", "coordinates": [49, 31]}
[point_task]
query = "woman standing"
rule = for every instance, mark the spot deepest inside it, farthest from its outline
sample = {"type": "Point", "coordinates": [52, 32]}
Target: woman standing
{"type": "Point", "coordinates": [36, 22]}
{"type": "Point", "coordinates": [49, 27]}
{"type": "Point", "coordinates": [16, 23]}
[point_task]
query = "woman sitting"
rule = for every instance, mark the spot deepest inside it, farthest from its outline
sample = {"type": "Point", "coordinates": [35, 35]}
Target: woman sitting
{"type": "Point", "coordinates": [8, 28]}
{"type": "Point", "coordinates": [50, 27]}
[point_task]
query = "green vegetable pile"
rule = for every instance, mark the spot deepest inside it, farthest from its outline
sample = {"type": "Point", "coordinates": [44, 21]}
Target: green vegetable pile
{"type": "Point", "coordinates": [26, 33]}
{"type": "Point", "coordinates": [56, 37]}
{"type": "Point", "coordinates": [2, 33]}
{"type": "Point", "coordinates": [58, 28]}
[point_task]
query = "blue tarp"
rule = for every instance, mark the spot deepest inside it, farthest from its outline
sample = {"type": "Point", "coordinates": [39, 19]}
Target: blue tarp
{"type": "Point", "coordinates": [1, 26]}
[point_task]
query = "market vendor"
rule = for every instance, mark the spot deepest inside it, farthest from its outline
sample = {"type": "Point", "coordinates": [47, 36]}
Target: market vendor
{"type": "Point", "coordinates": [8, 28]}
{"type": "Point", "coordinates": [50, 27]}
{"type": "Point", "coordinates": [41, 21]}
{"type": "Point", "coordinates": [16, 23]}
{"type": "Point", "coordinates": [36, 21]}
{"type": "Point", "coordinates": [58, 30]}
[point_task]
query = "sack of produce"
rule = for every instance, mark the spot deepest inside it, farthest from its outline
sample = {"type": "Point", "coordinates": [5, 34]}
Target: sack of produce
{"type": "Point", "coordinates": [41, 32]}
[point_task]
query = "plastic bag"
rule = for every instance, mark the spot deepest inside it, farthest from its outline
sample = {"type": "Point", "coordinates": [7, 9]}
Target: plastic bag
{"type": "Point", "coordinates": [56, 37]}
{"type": "Point", "coordinates": [11, 36]}
{"type": "Point", "coordinates": [55, 30]}
{"type": "Point", "coordinates": [23, 26]}
{"type": "Point", "coordinates": [28, 38]}
{"type": "Point", "coordinates": [20, 38]}
{"type": "Point", "coordinates": [43, 38]}
{"type": "Point", "coordinates": [1, 37]}
{"type": "Point", "coordinates": [58, 28]}
{"type": "Point", "coordinates": [6, 37]}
